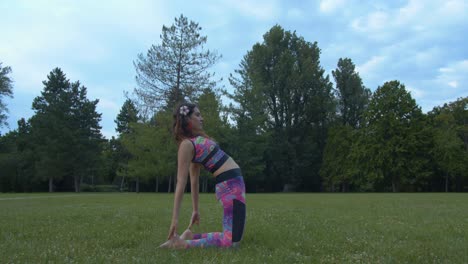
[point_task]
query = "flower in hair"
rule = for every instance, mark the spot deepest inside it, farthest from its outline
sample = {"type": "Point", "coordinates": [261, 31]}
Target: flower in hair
{"type": "Point", "coordinates": [184, 110]}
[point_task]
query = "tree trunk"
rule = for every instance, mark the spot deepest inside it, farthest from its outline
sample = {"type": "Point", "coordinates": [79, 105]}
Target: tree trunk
{"type": "Point", "coordinates": [77, 183]}
{"type": "Point", "coordinates": [204, 184]}
{"type": "Point", "coordinates": [157, 184]}
{"type": "Point", "coordinates": [122, 183]}
{"type": "Point", "coordinates": [170, 181]}
{"type": "Point", "coordinates": [137, 183]}
{"type": "Point", "coordinates": [345, 186]}
{"type": "Point", "coordinates": [446, 181]}
{"type": "Point", "coordinates": [51, 184]}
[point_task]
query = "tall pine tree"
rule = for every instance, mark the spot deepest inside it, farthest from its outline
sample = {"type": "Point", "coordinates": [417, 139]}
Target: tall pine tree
{"type": "Point", "coordinates": [352, 96]}
{"type": "Point", "coordinates": [176, 70]}
{"type": "Point", "coordinates": [284, 77]}
{"type": "Point", "coordinates": [65, 132]}
{"type": "Point", "coordinates": [6, 89]}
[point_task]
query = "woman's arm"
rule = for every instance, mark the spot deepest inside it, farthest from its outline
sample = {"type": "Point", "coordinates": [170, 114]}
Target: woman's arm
{"type": "Point", "coordinates": [184, 158]}
{"type": "Point", "coordinates": [194, 187]}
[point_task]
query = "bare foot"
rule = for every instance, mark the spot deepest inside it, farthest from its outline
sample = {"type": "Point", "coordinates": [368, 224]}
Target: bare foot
{"type": "Point", "coordinates": [176, 242]}
{"type": "Point", "coordinates": [187, 235]}
{"type": "Point", "coordinates": [165, 244]}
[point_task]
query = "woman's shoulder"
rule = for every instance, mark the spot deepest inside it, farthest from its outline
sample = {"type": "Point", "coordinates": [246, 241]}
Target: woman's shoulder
{"type": "Point", "coordinates": [186, 144]}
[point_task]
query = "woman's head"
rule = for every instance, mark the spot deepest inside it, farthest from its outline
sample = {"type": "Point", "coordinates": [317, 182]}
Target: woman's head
{"type": "Point", "coordinates": [188, 122]}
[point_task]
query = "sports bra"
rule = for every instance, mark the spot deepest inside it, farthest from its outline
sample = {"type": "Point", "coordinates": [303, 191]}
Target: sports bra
{"type": "Point", "coordinates": [208, 153]}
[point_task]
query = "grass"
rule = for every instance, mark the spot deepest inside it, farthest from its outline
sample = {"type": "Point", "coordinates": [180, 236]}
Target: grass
{"type": "Point", "coordinates": [281, 228]}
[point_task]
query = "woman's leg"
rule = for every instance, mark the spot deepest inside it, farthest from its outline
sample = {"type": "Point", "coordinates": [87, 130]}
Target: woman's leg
{"type": "Point", "coordinates": [231, 194]}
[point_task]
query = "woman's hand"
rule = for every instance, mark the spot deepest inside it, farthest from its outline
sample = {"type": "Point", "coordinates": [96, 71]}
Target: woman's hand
{"type": "Point", "coordinates": [195, 219]}
{"type": "Point", "coordinates": [172, 231]}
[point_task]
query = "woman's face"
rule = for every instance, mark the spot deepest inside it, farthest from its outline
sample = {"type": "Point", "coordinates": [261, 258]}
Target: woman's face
{"type": "Point", "coordinates": [196, 119]}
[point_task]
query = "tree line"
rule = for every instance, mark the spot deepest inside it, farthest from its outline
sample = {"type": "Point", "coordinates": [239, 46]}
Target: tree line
{"type": "Point", "coordinates": [288, 125]}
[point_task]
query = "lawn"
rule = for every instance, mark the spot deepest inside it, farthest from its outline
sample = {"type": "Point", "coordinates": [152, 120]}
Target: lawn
{"type": "Point", "coordinates": [281, 228]}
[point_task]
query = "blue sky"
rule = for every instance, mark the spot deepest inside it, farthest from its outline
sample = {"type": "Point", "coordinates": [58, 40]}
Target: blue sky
{"type": "Point", "coordinates": [421, 43]}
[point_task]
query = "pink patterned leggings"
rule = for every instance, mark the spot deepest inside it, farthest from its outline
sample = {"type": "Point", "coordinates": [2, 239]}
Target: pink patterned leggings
{"type": "Point", "coordinates": [231, 194]}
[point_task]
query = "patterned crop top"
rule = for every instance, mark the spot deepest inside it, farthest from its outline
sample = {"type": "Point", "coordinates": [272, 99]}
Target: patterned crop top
{"type": "Point", "coordinates": [208, 153]}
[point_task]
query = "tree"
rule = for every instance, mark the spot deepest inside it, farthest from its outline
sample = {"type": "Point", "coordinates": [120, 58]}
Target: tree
{"type": "Point", "coordinates": [175, 70]}
{"type": "Point", "coordinates": [6, 89]}
{"type": "Point", "coordinates": [285, 79]}
{"type": "Point", "coordinates": [153, 152]}
{"type": "Point", "coordinates": [127, 116]}
{"type": "Point", "coordinates": [337, 166]}
{"type": "Point", "coordinates": [391, 137]}
{"type": "Point", "coordinates": [450, 124]}
{"type": "Point", "coordinates": [8, 162]}
{"type": "Point", "coordinates": [141, 147]}
{"type": "Point", "coordinates": [65, 131]}
{"type": "Point", "coordinates": [448, 148]}
{"type": "Point", "coordinates": [352, 96]}
{"type": "Point", "coordinates": [25, 151]}
{"type": "Point", "coordinates": [251, 129]}
{"type": "Point", "coordinates": [216, 125]}
{"type": "Point", "coordinates": [86, 138]}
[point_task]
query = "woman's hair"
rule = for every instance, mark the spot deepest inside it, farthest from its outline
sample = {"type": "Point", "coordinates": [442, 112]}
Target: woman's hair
{"type": "Point", "coordinates": [182, 128]}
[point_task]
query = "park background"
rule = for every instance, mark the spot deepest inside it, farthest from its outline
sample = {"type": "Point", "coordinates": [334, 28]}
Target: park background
{"type": "Point", "coordinates": [291, 123]}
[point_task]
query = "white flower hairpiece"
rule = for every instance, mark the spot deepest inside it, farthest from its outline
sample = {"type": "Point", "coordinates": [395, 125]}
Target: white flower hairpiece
{"type": "Point", "coordinates": [184, 110]}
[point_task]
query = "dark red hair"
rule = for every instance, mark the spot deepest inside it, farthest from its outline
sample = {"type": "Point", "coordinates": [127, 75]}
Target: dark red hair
{"type": "Point", "coordinates": [182, 128]}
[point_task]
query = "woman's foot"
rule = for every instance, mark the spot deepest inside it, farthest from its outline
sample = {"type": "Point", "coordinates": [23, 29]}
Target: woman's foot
{"type": "Point", "coordinates": [176, 242]}
{"type": "Point", "coordinates": [187, 235]}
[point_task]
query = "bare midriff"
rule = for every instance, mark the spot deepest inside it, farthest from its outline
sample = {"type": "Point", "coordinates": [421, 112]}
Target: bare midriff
{"type": "Point", "coordinates": [228, 165]}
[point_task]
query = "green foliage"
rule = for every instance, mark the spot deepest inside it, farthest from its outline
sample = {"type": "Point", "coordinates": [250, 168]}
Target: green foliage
{"type": "Point", "coordinates": [6, 89]}
{"type": "Point", "coordinates": [65, 131]}
{"type": "Point", "coordinates": [8, 161]}
{"type": "Point", "coordinates": [352, 96]}
{"type": "Point", "coordinates": [175, 70]}
{"type": "Point", "coordinates": [216, 126]}
{"type": "Point", "coordinates": [152, 150]}
{"type": "Point", "coordinates": [284, 125]}
{"type": "Point", "coordinates": [128, 114]}
{"type": "Point", "coordinates": [387, 149]}
{"type": "Point", "coordinates": [450, 151]}
{"type": "Point", "coordinates": [285, 101]}
{"type": "Point", "coordinates": [337, 166]}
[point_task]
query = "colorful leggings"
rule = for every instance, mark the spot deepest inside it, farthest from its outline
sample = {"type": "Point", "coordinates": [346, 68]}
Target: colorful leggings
{"type": "Point", "coordinates": [231, 194]}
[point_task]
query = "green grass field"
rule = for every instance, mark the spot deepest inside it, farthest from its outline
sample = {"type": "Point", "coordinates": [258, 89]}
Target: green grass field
{"type": "Point", "coordinates": [281, 228]}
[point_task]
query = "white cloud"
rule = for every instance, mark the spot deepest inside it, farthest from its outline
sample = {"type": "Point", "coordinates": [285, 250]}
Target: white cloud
{"type": "Point", "coordinates": [453, 84]}
{"type": "Point", "coordinates": [415, 17]}
{"type": "Point", "coordinates": [329, 6]}
{"type": "Point", "coordinates": [419, 42]}
{"type": "Point", "coordinates": [454, 75]}
{"type": "Point", "coordinates": [427, 56]}
{"type": "Point", "coordinates": [295, 13]}
{"type": "Point", "coordinates": [106, 104]}
{"type": "Point", "coordinates": [370, 67]}
{"type": "Point", "coordinates": [261, 9]}
{"type": "Point", "coordinates": [415, 92]}
{"type": "Point", "coordinates": [454, 9]}
{"type": "Point", "coordinates": [374, 26]}
{"type": "Point", "coordinates": [407, 13]}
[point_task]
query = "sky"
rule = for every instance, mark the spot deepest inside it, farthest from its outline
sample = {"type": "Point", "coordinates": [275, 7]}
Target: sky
{"type": "Point", "coordinates": [421, 43]}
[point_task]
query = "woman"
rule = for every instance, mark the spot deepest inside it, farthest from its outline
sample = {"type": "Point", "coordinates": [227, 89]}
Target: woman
{"type": "Point", "coordinates": [195, 150]}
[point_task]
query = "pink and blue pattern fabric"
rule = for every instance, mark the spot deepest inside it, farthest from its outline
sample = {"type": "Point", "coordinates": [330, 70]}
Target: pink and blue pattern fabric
{"type": "Point", "coordinates": [208, 153]}
{"type": "Point", "coordinates": [231, 194]}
